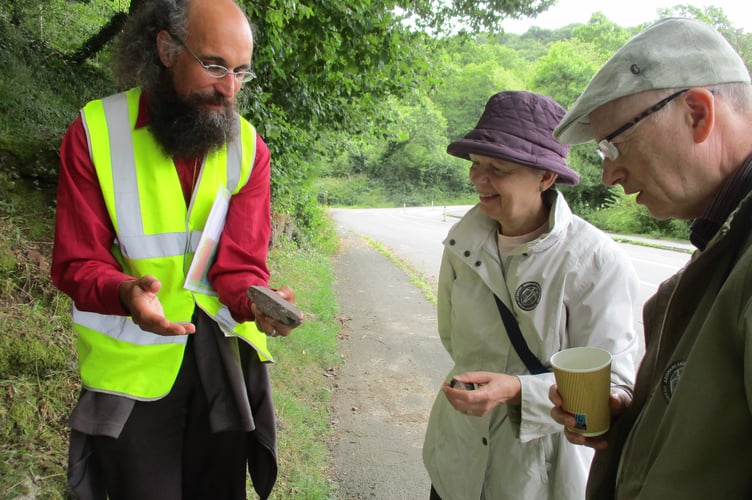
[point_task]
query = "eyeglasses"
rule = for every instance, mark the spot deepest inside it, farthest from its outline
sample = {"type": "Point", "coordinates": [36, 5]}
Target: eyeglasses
{"type": "Point", "coordinates": [608, 150]}
{"type": "Point", "coordinates": [217, 71]}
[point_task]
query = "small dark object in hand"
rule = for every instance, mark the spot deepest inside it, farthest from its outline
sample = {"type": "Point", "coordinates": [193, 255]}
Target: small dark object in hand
{"type": "Point", "coordinates": [273, 305]}
{"type": "Point", "coordinates": [456, 384]}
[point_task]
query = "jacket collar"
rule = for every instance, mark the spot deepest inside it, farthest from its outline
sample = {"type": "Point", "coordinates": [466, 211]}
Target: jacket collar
{"type": "Point", "coordinates": [735, 189]}
{"type": "Point", "coordinates": [476, 230]}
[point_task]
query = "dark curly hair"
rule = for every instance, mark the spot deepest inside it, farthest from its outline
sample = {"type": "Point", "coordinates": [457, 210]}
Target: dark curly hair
{"type": "Point", "coordinates": [135, 59]}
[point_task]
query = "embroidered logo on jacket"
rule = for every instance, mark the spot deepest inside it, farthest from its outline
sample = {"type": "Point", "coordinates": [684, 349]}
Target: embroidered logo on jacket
{"type": "Point", "coordinates": [671, 378]}
{"type": "Point", "coordinates": [528, 295]}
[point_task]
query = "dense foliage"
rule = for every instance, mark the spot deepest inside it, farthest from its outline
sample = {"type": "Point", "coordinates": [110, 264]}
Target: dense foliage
{"type": "Point", "coordinates": [356, 104]}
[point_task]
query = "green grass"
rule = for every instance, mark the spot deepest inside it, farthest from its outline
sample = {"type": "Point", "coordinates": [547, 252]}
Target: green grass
{"type": "Point", "coordinates": [417, 278]}
{"type": "Point", "coordinates": [38, 382]}
{"type": "Point", "coordinates": [300, 377]}
{"type": "Point", "coordinates": [663, 246]}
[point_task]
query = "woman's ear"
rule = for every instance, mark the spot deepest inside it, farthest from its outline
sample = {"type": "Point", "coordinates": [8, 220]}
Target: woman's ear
{"type": "Point", "coordinates": [547, 180]}
{"type": "Point", "coordinates": [165, 54]}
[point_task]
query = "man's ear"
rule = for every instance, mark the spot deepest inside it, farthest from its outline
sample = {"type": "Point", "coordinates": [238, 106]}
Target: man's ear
{"type": "Point", "coordinates": [163, 41]}
{"type": "Point", "coordinates": [701, 104]}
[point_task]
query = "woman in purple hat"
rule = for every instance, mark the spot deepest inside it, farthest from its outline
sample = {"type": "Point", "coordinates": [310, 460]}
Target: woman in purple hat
{"type": "Point", "coordinates": [560, 282]}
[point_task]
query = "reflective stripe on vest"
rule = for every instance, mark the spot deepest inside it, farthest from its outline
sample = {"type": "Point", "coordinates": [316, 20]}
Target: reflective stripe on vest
{"type": "Point", "coordinates": [155, 235]}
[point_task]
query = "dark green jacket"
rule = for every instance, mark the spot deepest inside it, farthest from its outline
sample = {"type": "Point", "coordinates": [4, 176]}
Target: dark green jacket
{"type": "Point", "coordinates": [688, 433]}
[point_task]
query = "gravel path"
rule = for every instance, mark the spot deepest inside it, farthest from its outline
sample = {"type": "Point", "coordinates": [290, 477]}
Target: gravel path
{"type": "Point", "coordinates": [394, 365]}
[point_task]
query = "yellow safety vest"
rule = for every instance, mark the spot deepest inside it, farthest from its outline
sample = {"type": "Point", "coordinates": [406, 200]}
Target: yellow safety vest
{"type": "Point", "coordinates": [155, 234]}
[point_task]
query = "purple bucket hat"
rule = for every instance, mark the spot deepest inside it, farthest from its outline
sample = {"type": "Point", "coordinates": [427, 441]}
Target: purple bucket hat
{"type": "Point", "coordinates": [518, 127]}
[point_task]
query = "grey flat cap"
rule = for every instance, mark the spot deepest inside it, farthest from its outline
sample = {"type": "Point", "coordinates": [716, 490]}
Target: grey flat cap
{"type": "Point", "coordinates": [671, 53]}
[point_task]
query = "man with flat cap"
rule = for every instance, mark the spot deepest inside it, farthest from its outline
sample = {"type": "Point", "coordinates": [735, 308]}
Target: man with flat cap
{"type": "Point", "coordinates": [671, 114]}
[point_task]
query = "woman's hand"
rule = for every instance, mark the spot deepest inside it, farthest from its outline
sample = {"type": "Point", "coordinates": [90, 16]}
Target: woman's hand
{"type": "Point", "coordinates": [493, 389]}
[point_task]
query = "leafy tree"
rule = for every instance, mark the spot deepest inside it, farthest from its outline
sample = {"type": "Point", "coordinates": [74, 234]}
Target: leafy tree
{"type": "Point", "coordinates": [530, 46]}
{"type": "Point", "coordinates": [62, 24]}
{"type": "Point", "coordinates": [463, 93]}
{"type": "Point", "coordinates": [590, 194]}
{"type": "Point", "coordinates": [709, 14]}
{"type": "Point", "coordinates": [414, 157]}
{"type": "Point", "coordinates": [545, 36]}
{"type": "Point", "coordinates": [486, 15]}
{"type": "Point", "coordinates": [603, 35]}
{"type": "Point", "coordinates": [621, 213]}
{"type": "Point", "coordinates": [564, 72]}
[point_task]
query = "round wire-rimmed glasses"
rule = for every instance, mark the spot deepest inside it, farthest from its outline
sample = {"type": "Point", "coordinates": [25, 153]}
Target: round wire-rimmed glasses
{"type": "Point", "coordinates": [217, 71]}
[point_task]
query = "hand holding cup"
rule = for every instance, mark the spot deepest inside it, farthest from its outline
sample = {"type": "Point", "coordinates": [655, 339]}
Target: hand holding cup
{"type": "Point", "coordinates": [583, 379]}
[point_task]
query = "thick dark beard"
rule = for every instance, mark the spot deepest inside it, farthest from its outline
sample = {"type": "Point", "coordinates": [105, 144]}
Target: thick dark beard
{"type": "Point", "coordinates": [182, 128]}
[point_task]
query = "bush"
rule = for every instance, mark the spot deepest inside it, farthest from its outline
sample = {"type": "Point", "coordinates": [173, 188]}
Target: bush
{"type": "Point", "coordinates": [623, 215]}
{"type": "Point", "coordinates": [352, 191]}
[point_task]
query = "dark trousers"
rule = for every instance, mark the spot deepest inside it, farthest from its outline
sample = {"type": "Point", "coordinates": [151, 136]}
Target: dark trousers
{"type": "Point", "coordinates": [434, 495]}
{"type": "Point", "coordinates": [166, 451]}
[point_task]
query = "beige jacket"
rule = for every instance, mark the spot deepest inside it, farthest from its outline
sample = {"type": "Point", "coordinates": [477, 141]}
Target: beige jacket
{"type": "Point", "coordinates": [572, 286]}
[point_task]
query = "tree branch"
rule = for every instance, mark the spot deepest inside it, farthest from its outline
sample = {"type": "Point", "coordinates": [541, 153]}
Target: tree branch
{"type": "Point", "coordinates": [96, 42]}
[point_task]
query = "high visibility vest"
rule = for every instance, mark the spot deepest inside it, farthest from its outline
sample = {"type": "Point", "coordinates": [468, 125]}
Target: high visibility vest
{"type": "Point", "coordinates": [155, 234]}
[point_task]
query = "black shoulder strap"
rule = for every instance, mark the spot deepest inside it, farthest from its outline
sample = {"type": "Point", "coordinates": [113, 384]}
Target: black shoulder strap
{"type": "Point", "coordinates": [534, 365]}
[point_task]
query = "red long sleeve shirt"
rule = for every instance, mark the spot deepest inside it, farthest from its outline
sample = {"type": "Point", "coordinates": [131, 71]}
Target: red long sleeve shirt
{"type": "Point", "coordinates": [83, 266]}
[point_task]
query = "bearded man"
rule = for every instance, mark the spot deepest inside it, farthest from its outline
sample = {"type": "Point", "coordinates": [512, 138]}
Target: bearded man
{"type": "Point", "coordinates": [172, 353]}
